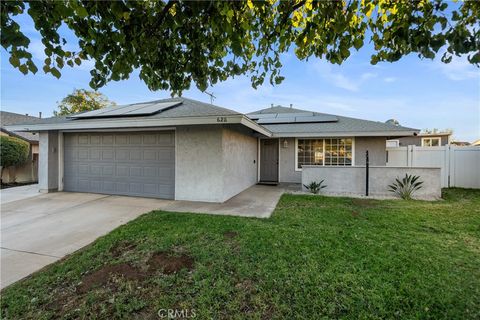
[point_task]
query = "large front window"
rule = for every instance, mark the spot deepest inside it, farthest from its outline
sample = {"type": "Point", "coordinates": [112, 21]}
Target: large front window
{"type": "Point", "coordinates": [324, 152]}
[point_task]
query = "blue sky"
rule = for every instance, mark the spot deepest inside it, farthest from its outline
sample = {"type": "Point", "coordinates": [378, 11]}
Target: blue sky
{"type": "Point", "coordinates": [418, 93]}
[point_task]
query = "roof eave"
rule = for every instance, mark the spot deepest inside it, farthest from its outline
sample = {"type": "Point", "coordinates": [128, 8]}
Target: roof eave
{"type": "Point", "coordinates": [140, 123]}
{"type": "Point", "coordinates": [13, 134]}
{"type": "Point", "coordinates": [344, 134]}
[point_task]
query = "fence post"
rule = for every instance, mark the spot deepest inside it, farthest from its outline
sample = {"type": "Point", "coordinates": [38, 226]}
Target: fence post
{"type": "Point", "coordinates": [451, 166]}
{"type": "Point", "coordinates": [366, 173]}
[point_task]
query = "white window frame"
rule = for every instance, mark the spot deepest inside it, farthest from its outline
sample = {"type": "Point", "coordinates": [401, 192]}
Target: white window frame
{"type": "Point", "coordinates": [394, 140]}
{"type": "Point", "coordinates": [323, 138]}
{"type": "Point", "coordinates": [432, 138]}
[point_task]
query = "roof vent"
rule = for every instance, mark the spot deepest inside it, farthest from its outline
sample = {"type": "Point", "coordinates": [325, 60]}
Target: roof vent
{"type": "Point", "coordinates": [271, 105]}
{"type": "Point", "coordinates": [392, 122]}
{"type": "Point", "coordinates": [291, 105]}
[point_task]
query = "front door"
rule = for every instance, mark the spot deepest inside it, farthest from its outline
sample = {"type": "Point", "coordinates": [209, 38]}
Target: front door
{"type": "Point", "coordinates": [269, 160]}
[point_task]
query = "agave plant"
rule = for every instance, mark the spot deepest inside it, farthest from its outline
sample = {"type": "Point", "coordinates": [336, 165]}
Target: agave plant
{"type": "Point", "coordinates": [314, 187]}
{"type": "Point", "coordinates": [406, 187]}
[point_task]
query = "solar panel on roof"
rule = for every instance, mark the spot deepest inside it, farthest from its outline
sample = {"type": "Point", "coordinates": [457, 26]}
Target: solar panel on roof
{"type": "Point", "coordinates": [140, 109]}
{"type": "Point", "coordinates": [294, 114]}
{"type": "Point", "coordinates": [322, 118]}
{"type": "Point", "coordinates": [298, 119]}
{"type": "Point", "coordinates": [276, 120]}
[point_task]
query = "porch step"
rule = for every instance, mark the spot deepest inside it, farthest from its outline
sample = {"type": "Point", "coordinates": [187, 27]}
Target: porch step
{"type": "Point", "coordinates": [268, 183]}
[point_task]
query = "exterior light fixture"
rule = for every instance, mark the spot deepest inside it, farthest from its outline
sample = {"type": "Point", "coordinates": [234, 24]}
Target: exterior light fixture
{"type": "Point", "coordinates": [285, 143]}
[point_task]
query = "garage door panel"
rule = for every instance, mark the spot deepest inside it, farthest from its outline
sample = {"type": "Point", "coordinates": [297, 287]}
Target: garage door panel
{"type": "Point", "coordinates": [95, 170]}
{"type": "Point", "coordinates": [121, 140]}
{"type": "Point", "coordinates": [122, 154]}
{"type": "Point", "coordinates": [82, 154]}
{"type": "Point", "coordinates": [139, 164]}
{"type": "Point", "coordinates": [136, 172]}
{"type": "Point", "coordinates": [95, 153]}
{"type": "Point", "coordinates": [150, 139]}
{"type": "Point", "coordinates": [83, 139]}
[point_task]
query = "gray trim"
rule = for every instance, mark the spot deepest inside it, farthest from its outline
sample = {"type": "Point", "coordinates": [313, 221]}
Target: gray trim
{"type": "Point", "coordinates": [344, 134]}
{"type": "Point", "coordinates": [142, 123]}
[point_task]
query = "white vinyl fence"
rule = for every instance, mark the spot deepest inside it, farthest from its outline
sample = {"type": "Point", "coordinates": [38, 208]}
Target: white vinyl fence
{"type": "Point", "coordinates": [460, 166]}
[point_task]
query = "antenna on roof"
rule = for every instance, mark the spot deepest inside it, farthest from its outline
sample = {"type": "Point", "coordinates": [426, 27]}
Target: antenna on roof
{"type": "Point", "coordinates": [211, 96]}
{"type": "Point", "coordinates": [291, 105]}
{"type": "Point", "coordinates": [272, 105]}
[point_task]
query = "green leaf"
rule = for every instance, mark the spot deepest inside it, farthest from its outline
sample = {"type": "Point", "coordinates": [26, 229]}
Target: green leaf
{"type": "Point", "coordinates": [81, 11]}
{"type": "Point", "coordinates": [358, 43]}
{"type": "Point", "coordinates": [55, 73]}
{"type": "Point", "coordinates": [23, 68]}
{"type": "Point", "coordinates": [14, 61]}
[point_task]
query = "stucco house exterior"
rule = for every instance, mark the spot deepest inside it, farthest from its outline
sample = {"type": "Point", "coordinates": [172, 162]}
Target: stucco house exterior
{"type": "Point", "coordinates": [189, 150]}
{"type": "Point", "coordinates": [28, 172]}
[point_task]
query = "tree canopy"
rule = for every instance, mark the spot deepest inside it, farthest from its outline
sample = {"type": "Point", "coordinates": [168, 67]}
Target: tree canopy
{"type": "Point", "coordinates": [81, 100]}
{"type": "Point", "coordinates": [176, 43]}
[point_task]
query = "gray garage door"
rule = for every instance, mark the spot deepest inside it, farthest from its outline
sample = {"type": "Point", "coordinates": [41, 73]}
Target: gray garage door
{"type": "Point", "coordinates": [137, 164]}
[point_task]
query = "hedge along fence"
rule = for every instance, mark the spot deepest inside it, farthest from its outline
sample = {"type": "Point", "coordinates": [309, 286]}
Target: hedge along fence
{"type": "Point", "coordinates": [13, 152]}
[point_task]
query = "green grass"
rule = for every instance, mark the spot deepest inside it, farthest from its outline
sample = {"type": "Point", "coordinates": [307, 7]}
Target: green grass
{"type": "Point", "coordinates": [317, 257]}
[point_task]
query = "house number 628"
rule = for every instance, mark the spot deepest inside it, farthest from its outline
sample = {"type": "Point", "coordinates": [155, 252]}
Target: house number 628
{"type": "Point", "coordinates": [221, 119]}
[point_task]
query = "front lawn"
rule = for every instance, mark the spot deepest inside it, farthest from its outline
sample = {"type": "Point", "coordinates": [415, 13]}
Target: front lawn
{"type": "Point", "coordinates": [316, 257]}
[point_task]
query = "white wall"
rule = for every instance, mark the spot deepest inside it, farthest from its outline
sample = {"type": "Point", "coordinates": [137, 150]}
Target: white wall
{"type": "Point", "coordinates": [48, 161]}
{"type": "Point", "coordinates": [198, 163]}
{"type": "Point", "coordinates": [352, 180]}
{"type": "Point", "coordinates": [214, 163]}
{"type": "Point", "coordinates": [376, 150]}
{"type": "Point", "coordinates": [239, 162]}
{"type": "Point", "coordinates": [460, 165]}
{"type": "Point", "coordinates": [287, 162]}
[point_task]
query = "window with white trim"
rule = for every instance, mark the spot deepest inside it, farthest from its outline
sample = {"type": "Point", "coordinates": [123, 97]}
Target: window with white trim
{"type": "Point", "coordinates": [431, 142]}
{"type": "Point", "coordinates": [325, 152]}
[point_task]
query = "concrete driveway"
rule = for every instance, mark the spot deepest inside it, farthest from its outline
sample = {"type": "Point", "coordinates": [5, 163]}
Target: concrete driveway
{"type": "Point", "coordinates": [38, 229]}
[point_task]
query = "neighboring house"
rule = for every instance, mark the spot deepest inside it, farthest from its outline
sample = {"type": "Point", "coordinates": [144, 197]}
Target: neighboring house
{"type": "Point", "coordinates": [460, 143]}
{"type": "Point", "coordinates": [476, 143]}
{"type": "Point", "coordinates": [27, 172]}
{"type": "Point", "coordinates": [188, 150]}
{"type": "Point", "coordinates": [421, 140]}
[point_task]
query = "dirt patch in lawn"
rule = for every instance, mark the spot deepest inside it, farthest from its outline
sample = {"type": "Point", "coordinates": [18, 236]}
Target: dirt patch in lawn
{"type": "Point", "coordinates": [102, 276]}
{"type": "Point", "coordinates": [230, 234]}
{"type": "Point", "coordinates": [122, 248]}
{"type": "Point", "coordinates": [168, 263]}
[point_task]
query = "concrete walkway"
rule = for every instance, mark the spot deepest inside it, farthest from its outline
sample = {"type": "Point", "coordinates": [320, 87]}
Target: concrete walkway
{"type": "Point", "coordinates": [19, 193]}
{"type": "Point", "coordinates": [258, 201]}
{"type": "Point", "coordinates": [40, 229]}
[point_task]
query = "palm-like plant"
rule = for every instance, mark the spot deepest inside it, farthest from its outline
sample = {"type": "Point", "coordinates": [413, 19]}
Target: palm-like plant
{"type": "Point", "coordinates": [406, 187]}
{"type": "Point", "coordinates": [314, 187]}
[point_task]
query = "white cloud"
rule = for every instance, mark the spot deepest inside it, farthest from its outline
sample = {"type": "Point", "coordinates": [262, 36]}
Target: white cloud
{"type": "Point", "coordinates": [458, 69]}
{"type": "Point", "coordinates": [390, 79]}
{"type": "Point", "coordinates": [335, 77]}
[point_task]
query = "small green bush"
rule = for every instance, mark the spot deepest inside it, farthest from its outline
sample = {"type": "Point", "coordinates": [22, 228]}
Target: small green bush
{"type": "Point", "coordinates": [13, 152]}
{"type": "Point", "coordinates": [406, 187]}
{"type": "Point", "coordinates": [315, 187]}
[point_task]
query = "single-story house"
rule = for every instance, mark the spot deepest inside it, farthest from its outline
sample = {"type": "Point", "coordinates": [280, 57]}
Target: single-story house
{"type": "Point", "coordinates": [189, 150]}
{"type": "Point", "coordinates": [437, 139]}
{"type": "Point", "coordinates": [28, 172]}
